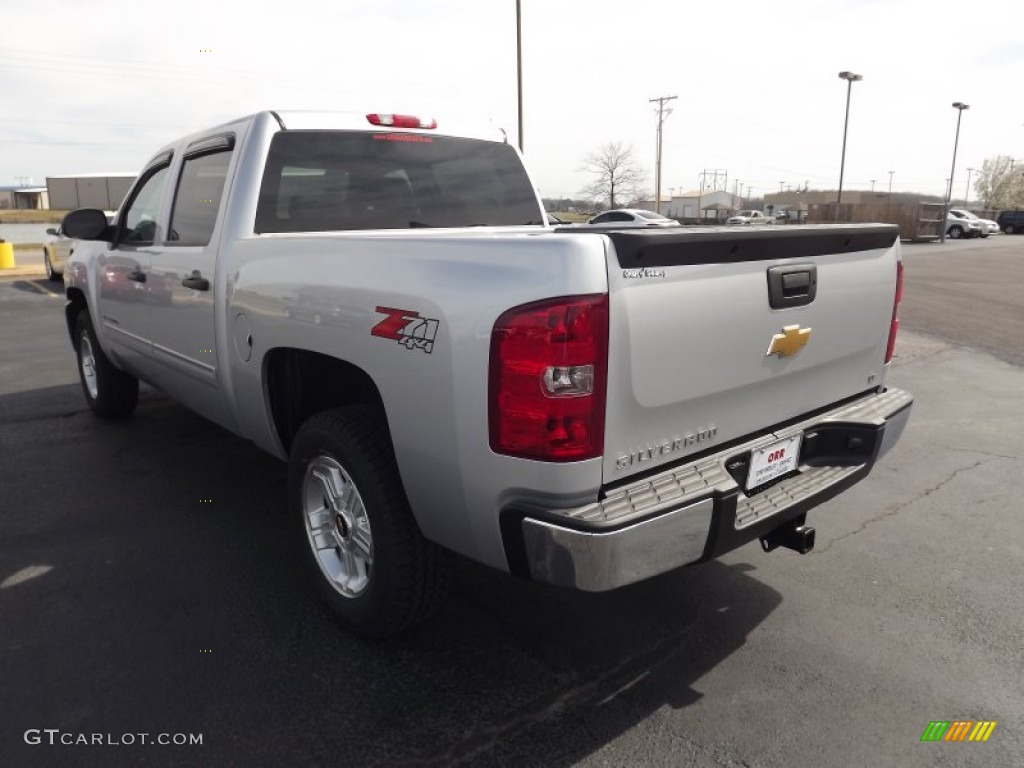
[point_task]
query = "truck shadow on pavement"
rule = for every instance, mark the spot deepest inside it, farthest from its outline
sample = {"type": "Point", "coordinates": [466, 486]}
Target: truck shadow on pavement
{"type": "Point", "coordinates": [170, 596]}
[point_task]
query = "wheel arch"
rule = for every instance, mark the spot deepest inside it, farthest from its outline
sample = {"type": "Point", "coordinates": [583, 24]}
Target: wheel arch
{"type": "Point", "coordinates": [76, 303]}
{"type": "Point", "coordinates": [298, 383]}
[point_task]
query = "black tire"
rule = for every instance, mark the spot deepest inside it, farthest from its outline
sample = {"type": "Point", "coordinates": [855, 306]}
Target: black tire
{"type": "Point", "coordinates": [51, 274]}
{"type": "Point", "coordinates": [1009, 229]}
{"type": "Point", "coordinates": [109, 391]}
{"type": "Point", "coordinates": [406, 577]}
{"type": "Point", "coordinates": [955, 232]}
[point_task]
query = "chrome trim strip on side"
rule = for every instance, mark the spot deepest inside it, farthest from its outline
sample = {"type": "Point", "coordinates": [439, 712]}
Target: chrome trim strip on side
{"type": "Point", "coordinates": [600, 561]}
{"type": "Point", "coordinates": [187, 365]}
{"type": "Point", "coordinates": [109, 325]}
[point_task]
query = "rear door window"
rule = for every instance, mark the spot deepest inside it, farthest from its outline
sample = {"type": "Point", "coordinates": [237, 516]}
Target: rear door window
{"type": "Point", "coordinates": [353, 180]}
{"type": "Point", "coordinates": [197, 199]}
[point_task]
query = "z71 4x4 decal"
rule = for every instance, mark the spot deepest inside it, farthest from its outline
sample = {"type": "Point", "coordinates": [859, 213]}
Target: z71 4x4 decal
{"type": "Point", "coordinates": [407, 328]}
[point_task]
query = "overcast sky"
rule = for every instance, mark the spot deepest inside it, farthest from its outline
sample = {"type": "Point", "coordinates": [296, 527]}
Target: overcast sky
{"type": "Point", "coordinates": [100, 85]}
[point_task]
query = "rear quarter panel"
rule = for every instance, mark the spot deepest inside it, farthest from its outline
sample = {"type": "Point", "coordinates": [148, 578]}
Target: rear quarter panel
{"type": "Point", "coordinates": [320, 292]}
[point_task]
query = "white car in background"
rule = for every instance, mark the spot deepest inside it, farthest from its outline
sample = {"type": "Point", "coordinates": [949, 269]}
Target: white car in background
{"type": "Point", "coordinates": [632, 217]}
{"type": "Point", "coordinates": [986, 226]}
{"type": "Point", "coordinates": [750, 217]}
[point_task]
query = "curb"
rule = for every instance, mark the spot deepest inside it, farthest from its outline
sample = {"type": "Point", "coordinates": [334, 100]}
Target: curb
{"type": "Point", "coordinates": [32, 271]}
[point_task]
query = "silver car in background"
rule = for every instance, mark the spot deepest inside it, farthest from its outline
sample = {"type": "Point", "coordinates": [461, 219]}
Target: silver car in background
{"type": "Point", "coordinates": [986, 227]}
{"type": "Point", "coordinates": [632, 217]}
{"type": "Point", "coordinates": [55, 253]}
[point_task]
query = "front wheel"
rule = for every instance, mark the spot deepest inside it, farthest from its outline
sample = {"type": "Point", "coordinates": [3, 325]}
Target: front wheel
{"type": "Point", "coordinates": [955, 232]}
{"type": "Point", "coordinates": [109, 391]}
{"type": "Point", "coordinates": [51, 273]}
{"type": "Point", "coordinates": [366, 553]}
{"type": "Point", "coordinates": [1009, 229]}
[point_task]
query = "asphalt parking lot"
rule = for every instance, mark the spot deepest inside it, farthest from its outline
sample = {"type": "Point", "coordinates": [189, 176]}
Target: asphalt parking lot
{"type": "Point", "coordinates": [150, 583]}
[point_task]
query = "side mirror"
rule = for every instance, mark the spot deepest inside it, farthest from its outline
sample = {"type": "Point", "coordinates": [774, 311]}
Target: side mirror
{"type": "Point", "coordinates": [86, 224]}
{"type": "Point", "coordinates": [51, 231]}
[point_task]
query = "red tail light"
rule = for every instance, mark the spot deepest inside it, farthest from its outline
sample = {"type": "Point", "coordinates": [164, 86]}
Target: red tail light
{"type": "Point", "coordinates": [401, 121]}
{"type": "Point", "coordinates": [549, 367]}
{"type": "Point", "coordinates": [895, 312]}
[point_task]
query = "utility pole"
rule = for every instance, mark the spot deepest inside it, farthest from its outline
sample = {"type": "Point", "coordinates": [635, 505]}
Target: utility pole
{"type": "Point", "coordinates": [519, 68]}
{"type": "Point", "coordinates": [872, 186]}
{"type": "Point", "coordinates": [888, 199]}
{"type": "Point", "coordinates": [663, 113]}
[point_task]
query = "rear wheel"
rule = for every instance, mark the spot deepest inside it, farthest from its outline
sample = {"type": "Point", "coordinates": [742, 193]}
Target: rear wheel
{"type": "Point", "coordinates": [955, 232]}
{"type": "Point", "coordinates": [1009, 229]}
{"type": "Point", "coordinates": [367, 555]}
{"type": "Point", "coordinates": [109, 391]}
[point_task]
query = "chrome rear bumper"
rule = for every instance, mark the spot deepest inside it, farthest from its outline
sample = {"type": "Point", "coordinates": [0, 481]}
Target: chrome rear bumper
{"type": "Point", "coordinates": [698, 511]}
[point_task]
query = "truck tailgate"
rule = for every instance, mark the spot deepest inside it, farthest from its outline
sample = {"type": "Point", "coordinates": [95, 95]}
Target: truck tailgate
{"type": "Point", "coordinates": [698, 354]}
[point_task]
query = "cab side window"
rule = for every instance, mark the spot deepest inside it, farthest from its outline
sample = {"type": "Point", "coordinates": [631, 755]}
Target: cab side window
{"type": "Point", "coordinates": [197, 199]}
{"type": "Point", "coordinates": [139, 219]}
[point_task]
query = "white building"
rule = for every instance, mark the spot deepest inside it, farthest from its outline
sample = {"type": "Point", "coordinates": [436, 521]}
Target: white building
{"type": "Point", "coordinates": [23, 197]}
{"type": "Point", "coordinates": [701, 206]}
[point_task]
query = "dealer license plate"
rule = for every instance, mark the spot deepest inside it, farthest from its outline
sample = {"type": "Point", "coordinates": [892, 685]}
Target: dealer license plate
{"type": "Point", "coordinates": [773, 461]}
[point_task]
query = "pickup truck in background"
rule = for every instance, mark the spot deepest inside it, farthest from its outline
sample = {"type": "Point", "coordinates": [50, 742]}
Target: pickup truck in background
{"type": "Point", "coordinates": [750, 217]}
{"type": "Point", "coordinates": [378, 300]}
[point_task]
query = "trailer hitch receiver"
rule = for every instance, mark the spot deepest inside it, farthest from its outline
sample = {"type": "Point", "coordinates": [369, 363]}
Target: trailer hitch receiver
{"type": "Point", "coordinates": [792, 535]}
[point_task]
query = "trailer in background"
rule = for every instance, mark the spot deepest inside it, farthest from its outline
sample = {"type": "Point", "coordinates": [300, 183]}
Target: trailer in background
{"type": "Point", "coordinates": [917, 221]}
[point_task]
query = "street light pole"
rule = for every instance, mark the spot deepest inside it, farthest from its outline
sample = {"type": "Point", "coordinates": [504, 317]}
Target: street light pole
{"type": "Point", "coordinates": [873, 186]}
{"type": "Point", "coordinates": [519, 68]}
{"type": "Point", "coordinates": [850, 78]}
{"type": "Point", "coordinates": [959, 106]}
{"type": "Point", "coordinates": [967, 192]}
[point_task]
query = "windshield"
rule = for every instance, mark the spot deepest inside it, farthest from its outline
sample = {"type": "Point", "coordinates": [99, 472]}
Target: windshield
{"type": "Point", "coordinates": [343, 180]}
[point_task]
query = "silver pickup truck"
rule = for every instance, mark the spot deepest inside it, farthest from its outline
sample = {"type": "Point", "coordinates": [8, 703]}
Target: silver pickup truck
{"type": "Point", "coordinates": [378, 300]}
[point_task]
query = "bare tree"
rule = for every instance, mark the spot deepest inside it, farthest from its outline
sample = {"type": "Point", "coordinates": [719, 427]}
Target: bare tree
{"type": "Point", "coordinates": [617, 175]}
{"type": "Point", "coordinates": [1000, 183]}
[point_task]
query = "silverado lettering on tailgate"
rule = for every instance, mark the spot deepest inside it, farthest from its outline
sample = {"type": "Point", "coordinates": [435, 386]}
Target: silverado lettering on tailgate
{"type": "Point", "coordinates": [665, 447]}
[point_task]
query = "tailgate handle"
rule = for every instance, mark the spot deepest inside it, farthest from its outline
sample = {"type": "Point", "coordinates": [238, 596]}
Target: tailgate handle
{"type": "Point", "coordinates": [792, 286]}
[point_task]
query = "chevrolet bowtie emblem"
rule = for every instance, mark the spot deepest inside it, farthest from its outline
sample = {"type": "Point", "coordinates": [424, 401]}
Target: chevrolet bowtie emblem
{"type": "Point", "coordinates": [792, 339]}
